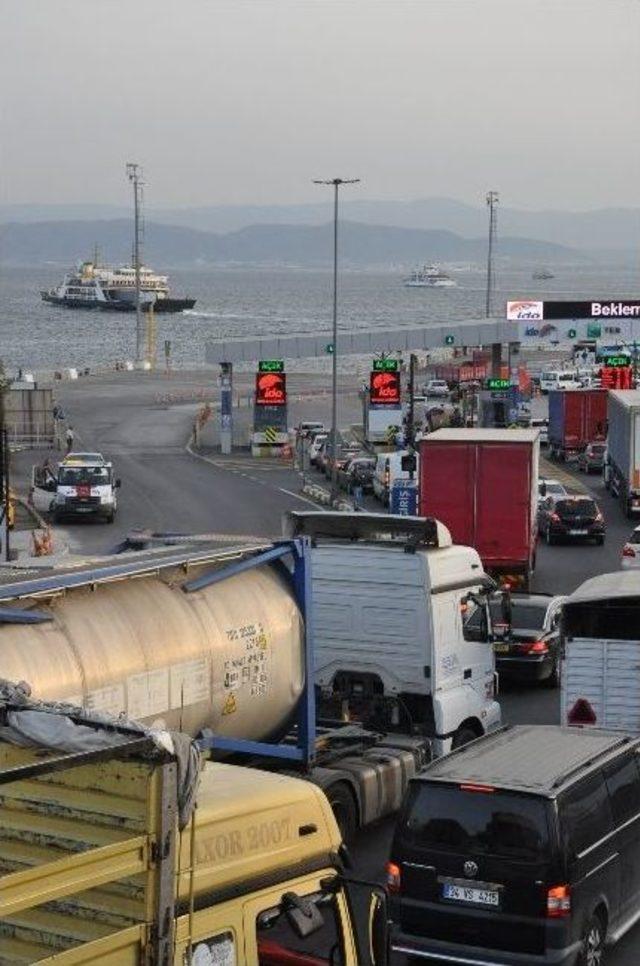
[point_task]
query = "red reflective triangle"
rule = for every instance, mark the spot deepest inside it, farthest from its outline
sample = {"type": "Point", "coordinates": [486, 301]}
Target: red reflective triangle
{"type": "Point", "coordinates": [582, 713]}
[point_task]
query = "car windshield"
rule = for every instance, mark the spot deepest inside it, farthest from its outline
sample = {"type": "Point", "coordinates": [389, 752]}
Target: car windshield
{"type": "Point", "coordinates": [597, 449]}
{"type": "Point", "coordinates": [635, 537]}
{"type": "Point", "coordinates": [446, 818]}
{"type": "Point", "coordinates": [87, 475]}
{"type": "Point", "coordinates": [527, 614]}
{"type": "Point", "coordinates": [570, 508]}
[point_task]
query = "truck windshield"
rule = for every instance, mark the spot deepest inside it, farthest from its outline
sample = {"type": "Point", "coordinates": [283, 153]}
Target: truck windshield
{"type": "Point", "coordinates": [83, 475]}
{"type": "Point", "coordinates": [447, 818]}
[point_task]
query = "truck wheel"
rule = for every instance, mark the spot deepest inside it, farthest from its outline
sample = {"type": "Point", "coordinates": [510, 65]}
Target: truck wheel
{"type": "Point", "coordinates": [344, 809]}
{"type": "Point", "coordinates": [462, 737]}
{"type": "Point", "coordinates": [592, 949]}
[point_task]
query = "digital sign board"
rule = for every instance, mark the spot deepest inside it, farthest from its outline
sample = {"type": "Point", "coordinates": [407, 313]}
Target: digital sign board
{"type": "Point", "coordinates": [271, 389]}
{"type": "Point", "coordinates": [534, 310]}
{"type": "Point", "coordinates": [616, 377]}
{"type": "Point", "coordinates": [384, 388]}
{"type": "Point", "coordinates": [271, 365]}
{"type": "Point", "coordinates": [498, 385]}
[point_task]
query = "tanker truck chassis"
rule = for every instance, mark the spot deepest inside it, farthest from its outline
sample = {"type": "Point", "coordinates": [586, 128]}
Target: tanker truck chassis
{"type": "Point", "coordinates": [99, 639]}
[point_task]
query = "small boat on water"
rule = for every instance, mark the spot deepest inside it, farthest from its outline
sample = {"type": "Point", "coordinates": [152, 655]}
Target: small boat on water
{"type": "Point", "coordinates": [429, 276]}
{"type": "Point", "coordinates": [93, 286]}
{"type": "Point", "coordinates": [542, 275]}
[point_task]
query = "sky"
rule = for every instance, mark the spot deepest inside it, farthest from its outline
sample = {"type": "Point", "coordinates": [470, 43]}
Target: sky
{"type": "Point", "coordinates": [246, 101]}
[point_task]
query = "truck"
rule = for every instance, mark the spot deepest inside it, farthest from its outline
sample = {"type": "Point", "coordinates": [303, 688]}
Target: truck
{"type": "Point", "coordinates": [576, 417]}
{"type": "Point", "coordinates": [120, 846]}
{"type": "Point", "coordinates": [600, 647]}
{"type": "Point", "coordinates": [82, 484]}
{"type": "Point", "coordinates": [220, 644]}
{"type": "Point", "coordinates": [622, 464]}
{"type": "Point", "coordinates": [483, 485]}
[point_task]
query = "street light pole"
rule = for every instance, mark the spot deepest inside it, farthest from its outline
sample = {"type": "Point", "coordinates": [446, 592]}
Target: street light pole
{"type": "Point", "coordinates": [336, 182]}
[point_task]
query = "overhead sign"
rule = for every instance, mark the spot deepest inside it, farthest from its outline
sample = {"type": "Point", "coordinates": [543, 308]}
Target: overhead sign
{"type": "Point", "coordinates": [271, 365]}
{"type": "Point", "coordinates": [384, 388]}
{"type": "Point", "coordinates": [528, 310]}
{"type": "Point", "coordinates": [616, 362]}
{"type": "Point", "coordinates": [271, 389]}
{"type": "Point", "coordinates": [385, 365]}
{"type": "Point", "coordinates": [498, 385]}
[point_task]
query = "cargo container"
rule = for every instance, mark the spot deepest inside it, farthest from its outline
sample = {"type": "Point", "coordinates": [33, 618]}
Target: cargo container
{"type": "Point", "coordinates": [622, 467]}
{"type": "Point", "coordinates": [482, 484]}
{"type": "Point", "coordinates": [576, 417]}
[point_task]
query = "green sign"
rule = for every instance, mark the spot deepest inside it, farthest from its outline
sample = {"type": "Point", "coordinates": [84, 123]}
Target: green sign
{"type": "Point", "coordinates": [449, 339]}
{"type": "Point", "coordinates": [271, 365]}
{"type": "Point", "coordinates": [385, 365]}
{"type": "Point", "coordinates": [572, 333]}
{"type": "Point", "coordinates": [329, 348]}
{"type": "Point", "coordinates": [594, 331]}
{"type": "Point", "coordinates": [498, 385]}
{"type": "Point", "coordinates": [616, 362]}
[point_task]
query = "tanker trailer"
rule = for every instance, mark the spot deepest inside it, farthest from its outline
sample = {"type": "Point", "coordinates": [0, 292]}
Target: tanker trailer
{"type": "Point", "coordinates": [212, 643]}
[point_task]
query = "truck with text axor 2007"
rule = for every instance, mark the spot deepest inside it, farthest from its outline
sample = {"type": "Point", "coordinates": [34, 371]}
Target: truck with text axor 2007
{"type": "Point", "coordinates": [600, 642]}
{"type": "Point", "coordinates": [482, 484]}
{"type": "Point", "coordinates": [622, 467]}
{"type": "Point", "coordinates": [576, 417]}
{"type": "Point", "coordinates": [222, 644]}
{"type": "Point", "coordinates": [122, 847]}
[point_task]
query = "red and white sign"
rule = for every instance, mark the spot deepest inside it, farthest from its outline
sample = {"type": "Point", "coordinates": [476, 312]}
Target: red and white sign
{"type": "Point", "coordinates": [271, 389]}
{"type": "Point", "coordinates": [384, 388]}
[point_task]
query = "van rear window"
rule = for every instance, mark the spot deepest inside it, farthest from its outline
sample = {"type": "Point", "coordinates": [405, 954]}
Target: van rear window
{"type": "Point", "coordinates": [446, 818]}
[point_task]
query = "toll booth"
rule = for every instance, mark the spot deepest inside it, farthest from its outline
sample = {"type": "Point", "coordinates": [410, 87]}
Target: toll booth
{"type": "Point", "coordinates": [499, 404]}
{"type": "Point", "coordinates": [270, 433]}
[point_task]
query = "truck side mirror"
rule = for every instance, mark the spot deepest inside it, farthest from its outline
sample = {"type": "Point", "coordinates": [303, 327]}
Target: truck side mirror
{"type": "Point", "coordinates": [302, 914]}
{"type": "Point", "coordinates": [543, 489]}
{"type": "Point", "coordinates": [118, 483]}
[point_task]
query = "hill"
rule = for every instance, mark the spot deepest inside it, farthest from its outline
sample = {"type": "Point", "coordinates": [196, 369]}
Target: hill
{"type": "Point", "coordinates": [65, 242]}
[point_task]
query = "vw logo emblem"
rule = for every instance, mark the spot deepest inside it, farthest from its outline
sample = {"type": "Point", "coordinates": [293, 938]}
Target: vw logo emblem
{"type": "Point", "coordinates": [470, 869]}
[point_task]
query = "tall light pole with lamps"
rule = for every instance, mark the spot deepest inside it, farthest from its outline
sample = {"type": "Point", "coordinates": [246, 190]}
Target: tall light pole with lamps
{"type": "Point", "coordinates": [336, 182]}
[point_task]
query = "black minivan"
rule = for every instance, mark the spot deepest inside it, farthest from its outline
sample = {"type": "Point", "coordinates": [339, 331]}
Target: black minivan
{"type": "Point", "coordinates": [522, 847]}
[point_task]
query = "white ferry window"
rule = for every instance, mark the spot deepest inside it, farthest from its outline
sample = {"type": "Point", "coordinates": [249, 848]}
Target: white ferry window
{"type": "Point", "coordinates": [219, 950]}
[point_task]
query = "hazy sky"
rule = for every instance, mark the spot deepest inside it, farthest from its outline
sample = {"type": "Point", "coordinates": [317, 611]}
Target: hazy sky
{"type": "Point", "coordinates": [236, 101]}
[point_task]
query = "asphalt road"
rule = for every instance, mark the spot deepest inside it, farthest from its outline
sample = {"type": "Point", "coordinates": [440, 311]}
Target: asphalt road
{"type": "Point", "coordinates": [166, 488]}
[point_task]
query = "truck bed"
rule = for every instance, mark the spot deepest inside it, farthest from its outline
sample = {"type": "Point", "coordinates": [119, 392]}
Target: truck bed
{"type": "Point", "coordinates": [606, 673]}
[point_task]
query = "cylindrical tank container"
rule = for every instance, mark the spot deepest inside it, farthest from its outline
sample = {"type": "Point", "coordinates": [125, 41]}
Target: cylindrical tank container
{"type": "Point", "coordinates": [229, 657]}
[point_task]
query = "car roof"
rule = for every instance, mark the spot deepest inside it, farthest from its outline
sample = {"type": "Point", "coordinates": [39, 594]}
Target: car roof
{"type": "Point", "coordinates": [530, 758]}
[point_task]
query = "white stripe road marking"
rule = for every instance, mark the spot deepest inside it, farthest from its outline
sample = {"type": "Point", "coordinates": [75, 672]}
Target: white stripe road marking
{"type": "Point", "coordinates": [298, 497]}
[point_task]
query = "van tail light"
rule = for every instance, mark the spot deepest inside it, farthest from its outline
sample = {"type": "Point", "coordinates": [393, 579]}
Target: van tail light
{"type": "Point", "coordinates": [393, 877]}
{"type": "Point", "coordinates": [554, 517]}
{"type": "Point", "coordinates": [473, 787]}
{"type": "Point", "coordinates": [582, 713]}
{"type": "Point", "coordinates": [533, 647]}
{"type": "Point", "coordinates": [559, 902]}
{"type": "Point", "coordinates": [598, 517]}
{"type": "Point", "coordinates": [628, 551]}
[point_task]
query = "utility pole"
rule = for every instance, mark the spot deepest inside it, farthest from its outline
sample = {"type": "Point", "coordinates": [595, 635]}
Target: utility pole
{"type": "Point", "coordinates": [492, 204]}
{"type": "Point", "coordinates": [411, 426]}
{"type": "Point", "coordinates": [336, 182]}
{"type": "Point", "coordinates": [134, 174]}
{"type": "Point", "coordinates": [5, 494]}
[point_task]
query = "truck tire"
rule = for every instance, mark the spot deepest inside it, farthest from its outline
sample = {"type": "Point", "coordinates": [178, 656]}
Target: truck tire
{"type": "Point", "coordinates": [592, 949]}
{"type": "Point", "coordinates": [343, 807]}
{"type": "Point", "coordinates": [463, 736]}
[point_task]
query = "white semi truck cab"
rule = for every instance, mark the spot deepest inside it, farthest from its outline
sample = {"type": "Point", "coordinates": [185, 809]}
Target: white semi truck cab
{"type": "Point", "coordinates": [395, 648]}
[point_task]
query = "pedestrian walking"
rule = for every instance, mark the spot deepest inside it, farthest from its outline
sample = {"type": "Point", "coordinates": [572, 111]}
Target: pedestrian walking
{"type": "Point", "coordinates": [70, 436]}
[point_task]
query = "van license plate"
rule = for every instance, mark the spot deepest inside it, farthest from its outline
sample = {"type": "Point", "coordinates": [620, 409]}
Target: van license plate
{"type": "Point", "coordinates": [481, 897]}
{"type": "Point", "coordinates": [578, 533]}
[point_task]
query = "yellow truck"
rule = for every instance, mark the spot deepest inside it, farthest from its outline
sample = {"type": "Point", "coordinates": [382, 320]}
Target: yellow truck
{"type": "Point", "coordinates": [104, 858]}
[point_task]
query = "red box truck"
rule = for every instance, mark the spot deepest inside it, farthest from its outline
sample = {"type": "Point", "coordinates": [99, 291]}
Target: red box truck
{"type": "Point", "coordinates": [576, 417]}
{"type": "Point", "coordinates": [483, 485]}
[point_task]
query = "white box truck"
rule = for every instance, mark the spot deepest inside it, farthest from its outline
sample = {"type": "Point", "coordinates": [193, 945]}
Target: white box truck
{"type": "Point", "coordinates": [395, 648]}
{"type": "Point", "coordinates": [600, 673]}
{"type": "Point", "coordinates": [622, 469]}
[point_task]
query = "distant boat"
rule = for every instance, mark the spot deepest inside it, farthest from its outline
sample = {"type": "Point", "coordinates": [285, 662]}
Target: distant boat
{"type": "Point", "coordinates": [429, 276]}
{"type": "Point", "coordinates": [92, 286]}
{"type": "Point", "coordinates": [542, 275]}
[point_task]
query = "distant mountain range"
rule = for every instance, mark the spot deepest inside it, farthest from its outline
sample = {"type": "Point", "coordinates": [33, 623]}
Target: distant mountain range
{"type": "Point", "coordinates": [600, 229]}
{"type": "Point", "coordinates": [65, 242]}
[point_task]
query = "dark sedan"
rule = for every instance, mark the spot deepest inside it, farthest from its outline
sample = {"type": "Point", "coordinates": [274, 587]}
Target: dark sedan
{"type": "Point", "coordinates": [571, 518]}
{"type": "Point", "coordinates": [358, 472]}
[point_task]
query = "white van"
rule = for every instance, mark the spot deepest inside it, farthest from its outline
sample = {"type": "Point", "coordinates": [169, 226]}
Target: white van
{"type": "Point", "coordinates": [388, 470]}
{"type": "Point", "coordinates": [559, 379]}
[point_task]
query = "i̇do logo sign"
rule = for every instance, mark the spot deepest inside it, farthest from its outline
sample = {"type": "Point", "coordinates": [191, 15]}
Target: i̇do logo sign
{"type": "Point", "coordinates": [271, 389]}
{"type": "Point", "coordinates": [384, 388]}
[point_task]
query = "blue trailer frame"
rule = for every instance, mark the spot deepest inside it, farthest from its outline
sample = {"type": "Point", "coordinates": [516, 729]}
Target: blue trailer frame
{"type": "Point", "coordinates": [303, 751]}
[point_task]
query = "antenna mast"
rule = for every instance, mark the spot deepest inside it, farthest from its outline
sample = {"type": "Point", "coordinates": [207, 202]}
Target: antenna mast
{"type": "Point", "coordinates": [492, 204]}
{"type": "Point", "coordinates": [134, 174]}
